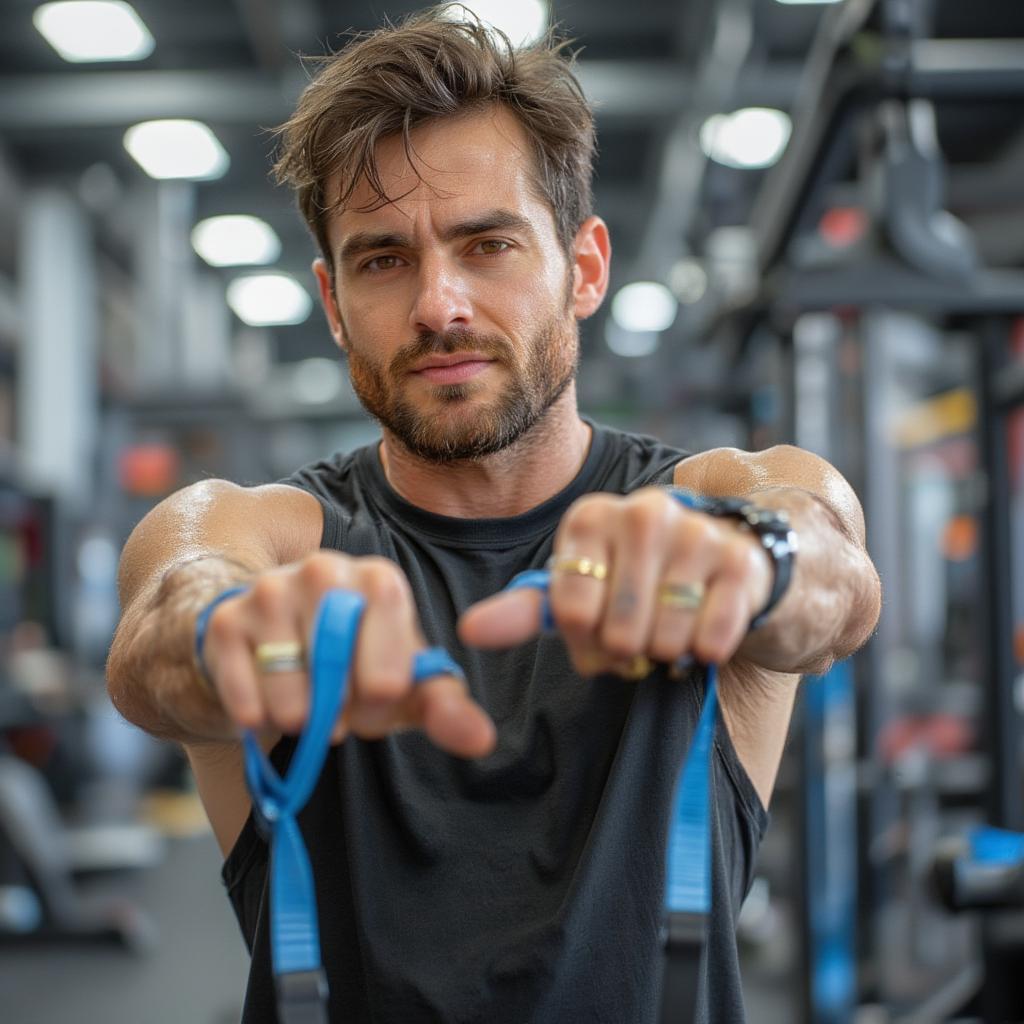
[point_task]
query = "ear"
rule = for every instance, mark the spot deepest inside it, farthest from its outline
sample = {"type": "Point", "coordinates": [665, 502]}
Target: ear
{"type": "Point", "coordinates": [592, 259]}
{"type": "Point", "coordinates": [325, 284]}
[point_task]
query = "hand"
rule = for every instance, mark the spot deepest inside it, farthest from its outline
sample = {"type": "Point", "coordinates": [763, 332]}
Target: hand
{"type": "Point", "coordinates": [646, 541]}
{"type": "Point", "coordinates": [281, 606]}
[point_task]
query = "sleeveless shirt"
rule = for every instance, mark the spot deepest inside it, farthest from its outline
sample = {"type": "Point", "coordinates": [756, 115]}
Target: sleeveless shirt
{"type": "Point", "coordinates": [525, 887]}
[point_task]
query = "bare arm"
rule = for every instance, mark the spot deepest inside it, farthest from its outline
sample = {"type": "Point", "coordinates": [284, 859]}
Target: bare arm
{"type": "Point", "coordinates": [193, 545]}
{"type": "Point", "coordinates": [829, 610]}
{"type": "Point", "coordinates": [200, 542]}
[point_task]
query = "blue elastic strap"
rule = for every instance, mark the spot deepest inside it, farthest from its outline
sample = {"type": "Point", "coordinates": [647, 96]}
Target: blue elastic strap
{"type": "Point", "coordinates": [688, 869]}
{"type": "Point", "coordinates": [203, 624]}
{"type": "Point", "coordinates": [294, 929]}
{"type": "Point", "coordinates": [688, 872]}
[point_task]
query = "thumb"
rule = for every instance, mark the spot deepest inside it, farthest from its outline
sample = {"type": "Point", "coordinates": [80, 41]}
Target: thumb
{"type": "Point", "coordinates": [504, 620]}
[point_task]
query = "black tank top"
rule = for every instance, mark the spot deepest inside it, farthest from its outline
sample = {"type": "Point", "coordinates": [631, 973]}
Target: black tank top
{"type": "Point", "coordinates": [526, 887]}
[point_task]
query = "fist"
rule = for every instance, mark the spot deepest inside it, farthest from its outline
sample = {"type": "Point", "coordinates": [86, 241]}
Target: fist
{"type": "Point", "coordinates": [281, 606]}
{"type": "Point", "coordinates": [637, 579]}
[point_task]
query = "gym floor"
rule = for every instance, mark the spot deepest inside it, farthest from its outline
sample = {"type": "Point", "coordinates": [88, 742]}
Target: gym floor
{"type": "Point", "coordinates": [195, 974]}
{"type": "Point", "coordinates": [196, 971]}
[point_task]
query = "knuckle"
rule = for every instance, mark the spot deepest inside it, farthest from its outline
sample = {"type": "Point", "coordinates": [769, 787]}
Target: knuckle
{"type": "Point", "coordinates": [289, 718]}
{"type": "Point", "coordinates": [269, 595]}
{"type": "Point", "coordinates": [223, 626]}
{"type": "Point", "coordinates": [740, 557]}
{"type": "Point", "coordinates": [620, 643]}
{"type": "Point", "coordinates": [384, 685]}
{"type": "Point", "coordinates": [697, 531]}
{"type": "Point", "coordinates": [573, 617]}
{"type": "Point", "coordinates": [321, 570]}
{"type": "Point", "coordinates": [667, 646]}
{"type": "Point", "coordinates": [382, 581]}
{"type": "Point", "coordinates": [586, 516]}
{"type": "Point", "coordinates": [645, 515]}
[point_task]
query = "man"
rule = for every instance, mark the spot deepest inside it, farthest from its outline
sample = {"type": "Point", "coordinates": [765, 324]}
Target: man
{"type": "Point", "coordinates": [447, 181]}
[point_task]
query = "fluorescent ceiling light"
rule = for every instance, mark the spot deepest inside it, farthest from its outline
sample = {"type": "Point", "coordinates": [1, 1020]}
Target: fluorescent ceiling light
{"type": "Point", "coordinates": [93, 30]}
{"type": "Point", "coordinates": [235, 241]}
{"type": "Point", "coordinates": [523, 21]}
{"type": "Point", "coordinates": [265, 300]}
{"type": "Point", "coordinates": [630, 344]}
{"type": "Point", "coordinates": [747, 138]}
{"type": "Point", "coordinates": [176, 149]}
{"type": "Point", "coordinates": [644, 306]}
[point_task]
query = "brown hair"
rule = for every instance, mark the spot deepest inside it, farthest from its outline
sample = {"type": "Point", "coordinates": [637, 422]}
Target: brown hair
{"type": "Point", "coordinates": [390, 81]}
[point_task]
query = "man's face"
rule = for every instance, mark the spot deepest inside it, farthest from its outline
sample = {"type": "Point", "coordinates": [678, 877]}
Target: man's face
{"type": "Point", "coordinates": [456, 302]}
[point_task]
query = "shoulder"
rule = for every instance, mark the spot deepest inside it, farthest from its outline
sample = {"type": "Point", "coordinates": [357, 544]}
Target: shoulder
{"type": "Point", "coordinates": [732, 472]}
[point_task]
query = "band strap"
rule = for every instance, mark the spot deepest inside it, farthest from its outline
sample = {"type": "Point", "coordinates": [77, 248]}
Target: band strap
{"type": "Point", "coordinates": [203, 624]}
{"type": "Point", "coordinates": [300, 981]}
{"type": "Point", "coordinates": [688, 849]}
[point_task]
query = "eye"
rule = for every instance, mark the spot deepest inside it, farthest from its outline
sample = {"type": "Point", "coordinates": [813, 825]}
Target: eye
{"type": "Point", "coordinates": [379, 263]}
{"type": "Point", "coordinates": [492, 246]}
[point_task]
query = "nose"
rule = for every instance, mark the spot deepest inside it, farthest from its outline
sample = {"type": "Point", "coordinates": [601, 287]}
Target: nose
{"type": "Point", "coordinates": [442, 298]}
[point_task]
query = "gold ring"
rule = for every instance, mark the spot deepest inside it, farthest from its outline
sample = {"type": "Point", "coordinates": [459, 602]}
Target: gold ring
{"type": "Point", "coordinates": [686, 596]}
{"type": "Point", "coordinates": [281, 656]}
{"type": "Point", "coordinates": [634, 669]}
{"type": "Point", "coordinates": [578, 566]}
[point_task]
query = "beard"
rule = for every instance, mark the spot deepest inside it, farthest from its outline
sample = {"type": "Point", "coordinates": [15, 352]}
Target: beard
{"type": "Point", "coordinates": [466, 428]}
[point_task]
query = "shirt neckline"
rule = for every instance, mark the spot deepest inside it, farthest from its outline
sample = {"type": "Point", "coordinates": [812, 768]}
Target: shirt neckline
{"type": "Point", "coordinates": [481, 532]}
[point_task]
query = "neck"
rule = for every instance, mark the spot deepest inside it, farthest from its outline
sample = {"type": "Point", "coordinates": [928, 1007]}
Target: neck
{"type": "Point", "coordinates": [536, 467]}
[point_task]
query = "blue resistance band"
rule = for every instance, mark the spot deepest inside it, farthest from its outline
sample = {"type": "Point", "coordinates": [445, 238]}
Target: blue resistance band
{"type": "Point", "coordinates": [299, 976]}
{"type": "Point", "coordinates": [294, 930]}
{"type": "Point", "coordinates": [688, 868]}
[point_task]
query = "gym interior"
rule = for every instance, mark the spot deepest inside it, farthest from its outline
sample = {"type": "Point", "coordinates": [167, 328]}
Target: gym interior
{"type": "Point", "coordinates": [817, 214]}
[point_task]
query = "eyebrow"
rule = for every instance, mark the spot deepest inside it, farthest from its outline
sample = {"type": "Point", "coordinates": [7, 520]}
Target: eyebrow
{"type": "Point", "coordinates": [493, 220]}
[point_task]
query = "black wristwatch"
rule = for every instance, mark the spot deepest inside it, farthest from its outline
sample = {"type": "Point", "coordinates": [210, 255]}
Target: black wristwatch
{"type": "Point", "coordinates": [770, 525]}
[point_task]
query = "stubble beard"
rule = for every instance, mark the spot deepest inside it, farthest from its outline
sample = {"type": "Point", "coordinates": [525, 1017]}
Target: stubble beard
{"type": "Point", "coordinates": [467, 429]}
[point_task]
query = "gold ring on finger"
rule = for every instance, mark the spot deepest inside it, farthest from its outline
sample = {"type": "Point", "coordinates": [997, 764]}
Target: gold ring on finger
{"type": "Point", "coordinates": [281, 656]}
{"type": "Point", "coordinates": [635, 668]}
{"type": "Point", "coordinates": [684, 596]}
{"type": "Point", "coordinates": [578, 566]}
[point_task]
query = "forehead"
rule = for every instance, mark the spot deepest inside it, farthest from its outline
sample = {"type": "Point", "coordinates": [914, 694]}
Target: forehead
{"type": "Point", "coordinates": [452, 167]}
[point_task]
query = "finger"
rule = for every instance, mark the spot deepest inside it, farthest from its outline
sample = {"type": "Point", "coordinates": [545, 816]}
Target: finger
{"type": "Point", "coordinates": [443, 708]}
{"type": "Point", "coordinates": [690, 565]}
{"type": "Point", "coordinates": [723, 620]}
{"type": "Point", "coordinates": [285, 694]}
{"type": "Point", "coordinates": [504, 620]}
{"type": "Point", "coordinates": [639, 553]}
{"type": "Point", "coordinates": [388, 637]}
{"type": "Point", "coordinates": [236, 684]}
{"type": "Point", "coordinates": [579, 570]}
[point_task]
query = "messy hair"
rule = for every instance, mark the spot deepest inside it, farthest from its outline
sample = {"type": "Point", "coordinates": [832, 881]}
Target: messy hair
{"type": "Point", "coordinates": [431, 66]}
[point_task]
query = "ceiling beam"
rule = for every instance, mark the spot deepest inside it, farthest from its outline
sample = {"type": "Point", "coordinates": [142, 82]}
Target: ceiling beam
{"type": "Point", "coordinates": [618, 89]}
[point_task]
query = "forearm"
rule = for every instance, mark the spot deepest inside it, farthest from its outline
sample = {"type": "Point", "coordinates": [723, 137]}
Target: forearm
{"type": "Point", "coordinates": [152, 678]}
{"type": "Point", "coordinates": [833, 600]}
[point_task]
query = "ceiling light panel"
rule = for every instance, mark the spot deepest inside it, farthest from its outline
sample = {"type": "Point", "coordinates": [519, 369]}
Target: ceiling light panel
{"type": "Point", "coordinates": [235, 241]}
{"type": "Point", "coordinates": [749, 138]}
{"type": "Point", "coordinates": [644, 306]}
{"type": "Point", "coordinates": [523, 21]}
{"type": "Point", "coordinates": [84, 31]}
{"type": "Point", "coordinates": [176, 149]}
{"type": "Point", "coordinates": [268, 300]}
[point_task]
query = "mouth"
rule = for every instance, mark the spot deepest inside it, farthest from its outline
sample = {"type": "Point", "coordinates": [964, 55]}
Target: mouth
{"type": "Point", "coordinates": [452, 369]}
